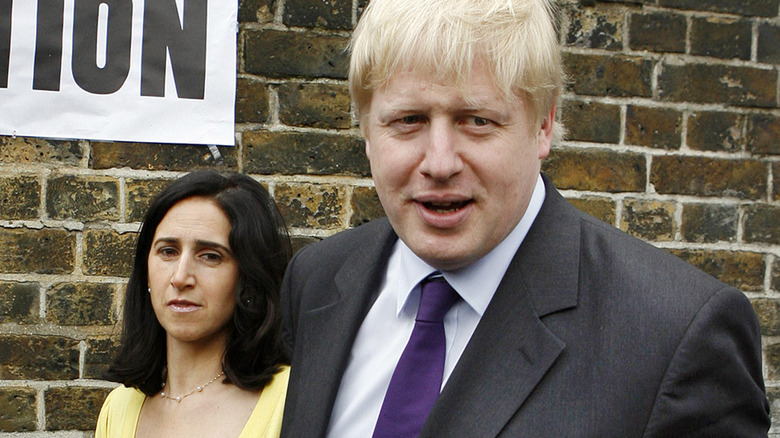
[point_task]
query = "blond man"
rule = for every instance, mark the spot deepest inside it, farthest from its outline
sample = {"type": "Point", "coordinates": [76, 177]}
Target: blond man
{"type": "Point", "coordinates": [549, 323]}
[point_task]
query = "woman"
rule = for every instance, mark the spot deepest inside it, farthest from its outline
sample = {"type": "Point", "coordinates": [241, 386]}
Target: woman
{"type": "Point", "coordinates": [201, 351]}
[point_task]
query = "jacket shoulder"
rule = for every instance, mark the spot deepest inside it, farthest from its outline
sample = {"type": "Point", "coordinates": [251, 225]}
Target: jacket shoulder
{"type": "Point", "coordinates": [338, 247]}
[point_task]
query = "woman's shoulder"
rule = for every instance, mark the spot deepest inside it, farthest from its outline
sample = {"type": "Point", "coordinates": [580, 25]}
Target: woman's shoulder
{"type": "Point", "coordinates": [123, 402]}
{"type": "Point", "coordinates": [266, 419]}
{"type": "Point", "coordinates": [282, 376]}
{"type": "Point", "coordinates": [123, 394]}
{"type": "Point", "coordinates": [120, 412]}
{"type": "Point", "coordinates": [275, 391]}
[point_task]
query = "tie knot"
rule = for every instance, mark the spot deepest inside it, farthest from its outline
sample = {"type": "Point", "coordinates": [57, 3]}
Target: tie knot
{"type": "Point", "coordinates": [436, 298]}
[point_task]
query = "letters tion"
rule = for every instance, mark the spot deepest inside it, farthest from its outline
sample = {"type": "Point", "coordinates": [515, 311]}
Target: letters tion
{"type": "Point", "coordinates": [124, 70]}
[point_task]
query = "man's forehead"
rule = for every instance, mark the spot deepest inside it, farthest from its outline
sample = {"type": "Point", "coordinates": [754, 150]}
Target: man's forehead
{"type": "Point", "coordinates": [477, 90]}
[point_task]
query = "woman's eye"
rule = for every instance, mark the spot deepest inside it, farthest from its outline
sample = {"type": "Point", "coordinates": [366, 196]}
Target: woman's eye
{"type": "Point", "coordinates": [211, 257]}
{"type": "Point", "coordinates": [167, 252]}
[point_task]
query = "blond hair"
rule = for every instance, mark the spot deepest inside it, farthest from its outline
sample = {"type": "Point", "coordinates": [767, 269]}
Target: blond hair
{"type": "Point", "coordinates": [516, 41]}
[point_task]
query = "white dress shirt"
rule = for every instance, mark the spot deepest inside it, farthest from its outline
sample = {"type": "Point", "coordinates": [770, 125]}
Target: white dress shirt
{"type": "Point", "coordinates": [388, 325]}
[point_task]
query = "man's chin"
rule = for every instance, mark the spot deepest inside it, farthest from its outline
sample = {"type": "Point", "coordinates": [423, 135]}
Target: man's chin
{"type": "Point", "coordinates": [442, 258]}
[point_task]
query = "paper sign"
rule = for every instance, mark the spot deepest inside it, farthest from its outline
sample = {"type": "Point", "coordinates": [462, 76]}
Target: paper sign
{"type": "Point", "coordinates": [161, 71]}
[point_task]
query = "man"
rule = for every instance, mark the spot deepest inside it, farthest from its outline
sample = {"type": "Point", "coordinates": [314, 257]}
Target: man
{"type": "Point", "coordinates": [562, 326]}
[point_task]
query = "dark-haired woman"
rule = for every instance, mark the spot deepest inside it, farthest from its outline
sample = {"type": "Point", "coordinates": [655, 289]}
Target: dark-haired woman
{"type": "Point", "coordinates": [201, 354]}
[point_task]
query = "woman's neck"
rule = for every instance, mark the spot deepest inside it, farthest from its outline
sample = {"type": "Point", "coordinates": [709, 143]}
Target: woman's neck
{"type": "Point", "coordinates": [190, 366]}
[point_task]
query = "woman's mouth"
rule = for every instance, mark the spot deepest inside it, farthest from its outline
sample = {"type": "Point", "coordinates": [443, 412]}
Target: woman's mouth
{"type": "Point", "coordinates": [183, 306]}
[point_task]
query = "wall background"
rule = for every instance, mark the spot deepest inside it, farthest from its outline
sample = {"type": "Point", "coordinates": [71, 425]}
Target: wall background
{"type": "Point", "coordinates": [674, 136]}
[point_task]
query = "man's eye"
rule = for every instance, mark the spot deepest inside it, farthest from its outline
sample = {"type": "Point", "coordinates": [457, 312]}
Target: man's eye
{"type": "Point", "coordinates": [410, 120]}
{"type": "Point", "coordinates": [478, 121]}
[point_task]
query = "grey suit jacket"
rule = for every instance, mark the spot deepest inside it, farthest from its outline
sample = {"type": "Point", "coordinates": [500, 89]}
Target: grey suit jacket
{"type": "Point", "coordinates": [591, 333]}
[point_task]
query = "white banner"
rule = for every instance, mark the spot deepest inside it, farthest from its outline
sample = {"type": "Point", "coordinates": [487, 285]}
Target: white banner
{"type": "Point", "coordinates": [160, 71]}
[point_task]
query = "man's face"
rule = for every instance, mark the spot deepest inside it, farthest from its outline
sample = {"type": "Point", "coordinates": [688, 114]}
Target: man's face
{"type": "Point", "coordinates": [454, 177]}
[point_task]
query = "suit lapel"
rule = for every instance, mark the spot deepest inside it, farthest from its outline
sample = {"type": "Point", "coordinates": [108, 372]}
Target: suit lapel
{"type": "Point", "coordinates": [511, 349]}
{"type": "Point", "coordinates": [356, 285]}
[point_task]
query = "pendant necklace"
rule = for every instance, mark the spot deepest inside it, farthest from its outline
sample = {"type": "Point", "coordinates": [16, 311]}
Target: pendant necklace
{"type": "Point", "coordinates": [179, 398]}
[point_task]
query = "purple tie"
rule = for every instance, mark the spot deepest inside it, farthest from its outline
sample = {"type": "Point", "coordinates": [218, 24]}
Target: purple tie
{"type": "Point", "coordinates": [417, 378]}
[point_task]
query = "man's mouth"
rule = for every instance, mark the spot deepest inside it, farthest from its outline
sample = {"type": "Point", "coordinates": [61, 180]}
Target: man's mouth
{"type": "Point", "coordinates": [445, 207]}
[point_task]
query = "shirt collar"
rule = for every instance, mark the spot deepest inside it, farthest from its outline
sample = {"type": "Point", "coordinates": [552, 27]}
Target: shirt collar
{"type": "Point", "coordinates": [476, 283]}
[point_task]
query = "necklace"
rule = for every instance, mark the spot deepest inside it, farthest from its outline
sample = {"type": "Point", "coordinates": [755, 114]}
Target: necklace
{"type": "Point", "coordinates": [179, 398]}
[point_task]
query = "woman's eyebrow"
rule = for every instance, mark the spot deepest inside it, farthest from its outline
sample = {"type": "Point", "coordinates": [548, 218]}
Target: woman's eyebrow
{"type": "Point", "coordinates": [210, 244]}
{"type": "Point", "coordinates": [200, 243]}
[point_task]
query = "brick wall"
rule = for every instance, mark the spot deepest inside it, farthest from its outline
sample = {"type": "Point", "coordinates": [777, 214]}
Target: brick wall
{"type": "Point", "coordinates": [674, 136]}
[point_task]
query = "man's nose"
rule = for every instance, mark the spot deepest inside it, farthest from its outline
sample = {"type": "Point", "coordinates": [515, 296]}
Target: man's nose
{"type": "Point", "coordinates": [442, 156]}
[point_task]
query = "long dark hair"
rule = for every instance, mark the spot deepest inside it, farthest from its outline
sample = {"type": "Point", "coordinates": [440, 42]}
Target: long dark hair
{"type": "Point", "coordinates": [261, 245]}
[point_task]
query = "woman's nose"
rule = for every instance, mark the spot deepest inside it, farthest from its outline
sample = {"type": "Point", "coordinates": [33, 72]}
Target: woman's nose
{"type": "Point", "coordinates": [183, 276]}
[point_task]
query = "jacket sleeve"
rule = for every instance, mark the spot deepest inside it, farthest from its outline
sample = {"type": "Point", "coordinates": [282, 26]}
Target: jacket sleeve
{"type": "Point", "coordinates": [714, 385]}
{"type": "Point", "coordinates": [289, 304]}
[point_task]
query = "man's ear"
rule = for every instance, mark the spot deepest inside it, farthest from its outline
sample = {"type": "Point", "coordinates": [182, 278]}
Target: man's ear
{"type": "Point", "coordinates": [363, 124]}
{"type": "Point", "coordinates": [545, 134]}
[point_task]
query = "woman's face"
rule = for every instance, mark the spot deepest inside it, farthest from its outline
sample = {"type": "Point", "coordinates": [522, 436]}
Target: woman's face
{"type": "Point", "coordinates": [193, 273]}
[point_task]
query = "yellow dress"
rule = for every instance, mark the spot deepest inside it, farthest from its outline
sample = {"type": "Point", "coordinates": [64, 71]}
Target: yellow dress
{"type": "Point", "coordinates": [120, 412]}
